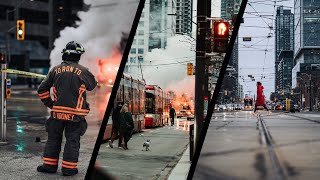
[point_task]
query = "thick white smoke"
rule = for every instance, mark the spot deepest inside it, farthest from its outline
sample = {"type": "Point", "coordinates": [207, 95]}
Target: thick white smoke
{"type": "Point", "coordinates": [99, 31]}
{"type": "Point", "coordinates": [168, 67]}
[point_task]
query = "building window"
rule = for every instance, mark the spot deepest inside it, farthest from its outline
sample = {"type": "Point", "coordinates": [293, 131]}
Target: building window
{"type": "Point", "coordinates": [141, 23]}
{"type": "Point", "coordinates": [140, 51]}
{"type": "Point", "coordinates": [140, 32]}
{"type": "Point", "coordinates": [140, 59]}
{"type": "Point", "coordinates": [140, 42]}
{"type": "Point", "coordinates": [133, 51]}
{"type": "Point", "coordinates": [132, 59]}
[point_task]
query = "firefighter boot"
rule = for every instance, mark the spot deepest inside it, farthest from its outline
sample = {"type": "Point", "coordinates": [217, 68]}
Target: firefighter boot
{"type": "Point", "coordinates": [47, 168]}
{"type": "Point", "coordinates": [69, 172]}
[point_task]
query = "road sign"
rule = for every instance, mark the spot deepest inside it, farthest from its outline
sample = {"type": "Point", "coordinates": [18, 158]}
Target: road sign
{"type": "Point", "coordinates": [210, 69]}
{"type": "Point", "coordinates": [212, 79]}
{"type": "Point", "coordinates": [246, 39]}
{"type": "Point", "coordinates": [217, 58]}
{"type": "Point", "coordinates": [211, 86]}
{"type": "Point", "coordinates": [205, 106]}
{"type": "Point", "coordinates": [8, 82]}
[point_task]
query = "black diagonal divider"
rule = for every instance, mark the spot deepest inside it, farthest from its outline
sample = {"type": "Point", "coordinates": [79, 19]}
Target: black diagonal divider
{"type": "Point", "coordinates": [113, 95]}
{"type": "Point", "coordinates": [217, 89]}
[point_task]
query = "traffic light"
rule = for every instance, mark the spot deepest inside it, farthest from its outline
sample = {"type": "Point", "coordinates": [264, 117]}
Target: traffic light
{"type": "Point", "coordinates": [8, 93]}
{"type": "Point", "coordinates": [189, 69]}
{"type": "Point", "coordinates": [2, 58]}
{"type": "Point", "coordinates": [20, 30]}
{"type": "Point", "coordinates": [220, 36]}
{"type": "Point", "coordinates": [8, 89]}
{"type": "Point", "coordinates": [221, 30]}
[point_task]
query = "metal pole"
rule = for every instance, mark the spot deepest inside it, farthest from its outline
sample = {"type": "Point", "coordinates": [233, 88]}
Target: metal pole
{"type": "Point", "coordinates": [200, 68]}
{"type": "Point", "coordinates": [3, 106]}
{"type": "Point", "coordinates": [310, 98]}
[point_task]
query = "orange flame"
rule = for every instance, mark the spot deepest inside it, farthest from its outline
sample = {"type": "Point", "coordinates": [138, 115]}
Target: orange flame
{"type": "Point", "coordinates": [183, 102]}
{"type": "Point", "coordinates": [108, 67]}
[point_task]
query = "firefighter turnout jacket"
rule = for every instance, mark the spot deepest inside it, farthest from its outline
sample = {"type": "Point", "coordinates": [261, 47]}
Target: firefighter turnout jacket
{"type": "Point", "coordinates": [69, 82]}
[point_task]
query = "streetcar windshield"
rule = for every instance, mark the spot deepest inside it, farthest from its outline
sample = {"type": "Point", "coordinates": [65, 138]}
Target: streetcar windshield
{"type": "Point", "coordinates": [150, 104]}
{"type": "Point", "coordinates": [248, 102]}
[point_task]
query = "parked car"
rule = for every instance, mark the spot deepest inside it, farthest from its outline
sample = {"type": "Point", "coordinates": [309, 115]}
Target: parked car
{"type": "Point", "coordinates": [238, 107]}
{"type": "Point", "coordinates": [297, 108]}
{"type": "Point", "coordinates": [222, 107]}
{"type": "Point", "coordinates": [182, 113]}
{"type": "Point", "coordinates": [278, 106]}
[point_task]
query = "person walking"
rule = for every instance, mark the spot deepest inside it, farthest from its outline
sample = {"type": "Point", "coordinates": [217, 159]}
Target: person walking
{"type": "Point", "coordinates": [260, 101]}
{"type": "Point", "coordinates": [69, 82]}
{"type": "Point", "coordinates": [126, 126]}
{"type": "Point", "coordinates": [172, 114]}
{"type": "Point", "coordinates": [115, 125]}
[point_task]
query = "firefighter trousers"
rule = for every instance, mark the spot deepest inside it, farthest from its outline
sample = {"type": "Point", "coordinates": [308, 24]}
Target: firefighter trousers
{"type": "Point", "coordinates": [72, 131]}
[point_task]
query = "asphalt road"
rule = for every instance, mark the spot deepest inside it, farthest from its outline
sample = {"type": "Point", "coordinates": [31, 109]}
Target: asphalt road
{"type": "Point", "coordinates": [26, 117]}
{"type": "Point", "coordinates": [167, 146]}
{"type": "Point", "coordinates": [279, 146]}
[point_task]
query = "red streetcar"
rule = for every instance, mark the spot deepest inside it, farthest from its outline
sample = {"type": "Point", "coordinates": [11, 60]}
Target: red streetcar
{"type": "Point", "coordinates": [157, 106]}
{"type": "Point", "coordinates": [248, 104]}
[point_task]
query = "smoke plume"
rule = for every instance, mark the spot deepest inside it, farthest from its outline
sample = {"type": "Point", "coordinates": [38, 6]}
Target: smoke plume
{"type": "Point", "coordinates": [168, 67]}
{"type": "Point", "coordinates": [100, 31]}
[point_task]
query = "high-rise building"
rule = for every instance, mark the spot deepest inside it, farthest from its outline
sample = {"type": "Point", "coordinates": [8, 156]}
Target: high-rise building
{"type": "Point", "coordinates": [285, 65]}
{"type": "Point", "coordinates": [307, 37]}
{"type": "Point", "coordinates": [184, 17]}
{"type": "Point", "coordinates": [306, 50]}
{"type": "Point", "coordinates": [64, 13]}
{"type": "Point", "coordinates": [284, 41]}
{"type": "Point", "coordinates": [43, 21]}
{"type": "Point", "coordinates": [229, 8]}
{"type": "Point", "coordinates": [154, 27]}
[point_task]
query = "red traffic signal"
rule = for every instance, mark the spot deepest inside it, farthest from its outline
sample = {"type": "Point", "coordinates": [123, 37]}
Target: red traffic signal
{"type": "Point", "coordinates": [221, 29]}
{"type": "Point", "coordinates": [220, 36]}
{"type": "Point", "coordinates": [2, 58]}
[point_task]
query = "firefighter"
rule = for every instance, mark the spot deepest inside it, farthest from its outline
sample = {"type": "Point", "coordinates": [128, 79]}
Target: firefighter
{"type": "Point", "coordinates": [69, 82]}
{"type": "Point", "coordinates": [172, 114]}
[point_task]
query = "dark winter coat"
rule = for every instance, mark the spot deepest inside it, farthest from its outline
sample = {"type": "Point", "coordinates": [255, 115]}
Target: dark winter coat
{"type": "Point", "coordinates": [172, 112]}
{"type": "Point", "coordinates": [126, 123]}
{"type": "Point", "coordinates": [260, 97]}
{"type": "Point", "coordinates": [116, 116]}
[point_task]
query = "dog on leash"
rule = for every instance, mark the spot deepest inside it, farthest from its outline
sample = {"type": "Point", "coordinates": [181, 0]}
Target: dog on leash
{"type": "Point", "coordinates": [146, 144]}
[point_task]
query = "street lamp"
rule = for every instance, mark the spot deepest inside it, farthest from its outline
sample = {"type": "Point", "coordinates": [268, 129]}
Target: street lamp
{"type": "Point", "coordinates": [310, 90]}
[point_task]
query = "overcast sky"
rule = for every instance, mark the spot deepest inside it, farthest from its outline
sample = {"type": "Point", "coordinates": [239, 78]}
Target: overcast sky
{"type": "Point", "coordinates": [253, 59]}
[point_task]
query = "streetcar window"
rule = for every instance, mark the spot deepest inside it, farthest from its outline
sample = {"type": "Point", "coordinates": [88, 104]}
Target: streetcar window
{"type": "Point", "coordinates": [150, 103]}
{"type": "Point", "coordinates": [248, 102]}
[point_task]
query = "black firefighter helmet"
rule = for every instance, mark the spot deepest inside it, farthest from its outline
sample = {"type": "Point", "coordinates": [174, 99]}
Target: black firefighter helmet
{"type": "Point", "coordinates": [72, 51]}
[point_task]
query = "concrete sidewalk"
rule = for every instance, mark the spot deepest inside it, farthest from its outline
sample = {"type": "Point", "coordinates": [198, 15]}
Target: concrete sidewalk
{"type": "Point", "coordinates": [168, 145]}
{"type": "Point", "coordinates": [181, 170]}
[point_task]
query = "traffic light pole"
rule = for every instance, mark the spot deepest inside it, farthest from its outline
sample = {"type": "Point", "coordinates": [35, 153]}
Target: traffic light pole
{"type": "Point", "coordinates": [3, 106]}
{"type": "Point", "coordinates": [200, 68]}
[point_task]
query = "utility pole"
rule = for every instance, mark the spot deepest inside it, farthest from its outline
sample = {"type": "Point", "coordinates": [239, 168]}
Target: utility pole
{"type": "Point", "coordinates": [200, 67]}
{"type": "Point", "coordinates": [3, 104]}
{"type": "Point", "coordinates": [310, 92]}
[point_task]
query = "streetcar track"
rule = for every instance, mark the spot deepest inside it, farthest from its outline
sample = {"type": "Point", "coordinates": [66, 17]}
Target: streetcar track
{"type": "Point", "coordinates": [315, 121]}
{"type": "Point", "coordinates": [266, 139]}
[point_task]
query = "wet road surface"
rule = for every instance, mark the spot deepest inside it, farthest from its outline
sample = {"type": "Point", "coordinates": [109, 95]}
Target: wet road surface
{"type": "Point", "coordinates": [240, 145]}
{"type": "Point", "coordinates": [26, 117]}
